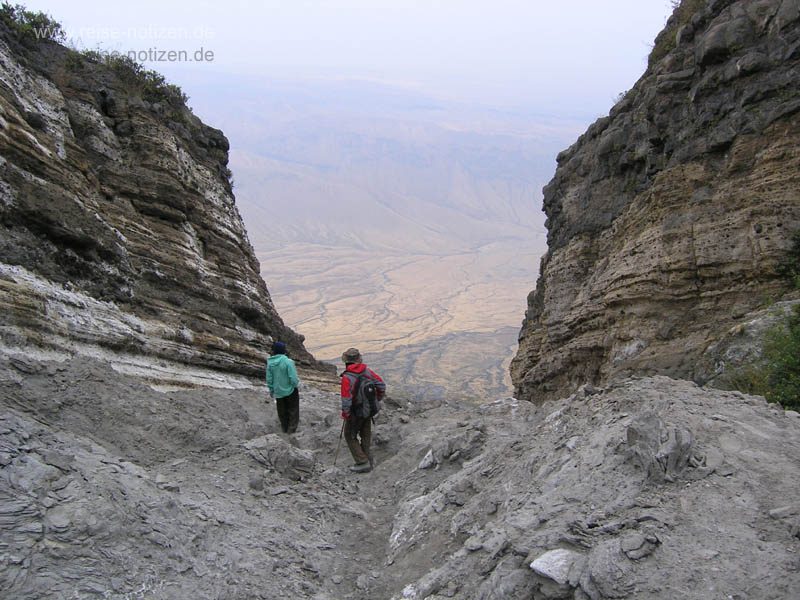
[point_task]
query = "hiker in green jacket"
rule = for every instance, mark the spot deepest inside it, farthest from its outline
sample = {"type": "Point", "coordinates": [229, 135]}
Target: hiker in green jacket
{"type": "Point", "coordinates": [282, 382]}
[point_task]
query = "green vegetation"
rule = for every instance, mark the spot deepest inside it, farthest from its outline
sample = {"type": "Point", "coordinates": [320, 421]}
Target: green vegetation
{"type": "Point", "coordinates": [146, 83]}
{"type": "Point", "coordinates": [29, 25]}
{"type": "Point", "coordinates": [683, 10]}
{"type": "Point", "coordinates": [777, 375]}
{"type": "Point", "coordinates": [782, 363]}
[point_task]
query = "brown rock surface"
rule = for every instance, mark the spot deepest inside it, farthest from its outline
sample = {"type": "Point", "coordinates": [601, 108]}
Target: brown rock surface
{"type": "Point", "coordinates": [119, 233]}
{"type": "Point", "coordinates": [666, 218]}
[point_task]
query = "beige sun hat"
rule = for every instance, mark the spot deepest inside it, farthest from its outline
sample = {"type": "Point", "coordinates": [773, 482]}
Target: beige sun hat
{"type": "Point", "coordinates": [351, 355]}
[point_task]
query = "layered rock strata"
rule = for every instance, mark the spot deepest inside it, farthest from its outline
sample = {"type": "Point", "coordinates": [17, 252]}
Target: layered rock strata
{"type": "Point", "coordinates": [119, 233]}
{"type": "Point", "coordinates": [666, 219]}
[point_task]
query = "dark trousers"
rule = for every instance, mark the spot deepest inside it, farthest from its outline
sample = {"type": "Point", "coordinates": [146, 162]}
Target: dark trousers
{"type": "Point", "coordinates": [361, 428]}
{"type": "Point", "coordinates": [289, 411]}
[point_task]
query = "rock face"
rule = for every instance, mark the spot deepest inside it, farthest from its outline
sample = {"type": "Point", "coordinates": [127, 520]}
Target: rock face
{"type": "Point", "coordinates": [118, 229]}
{"type": "Point", "coordinates": [651, 489]}
{"type": "Point", "coordinates": [666, 218]}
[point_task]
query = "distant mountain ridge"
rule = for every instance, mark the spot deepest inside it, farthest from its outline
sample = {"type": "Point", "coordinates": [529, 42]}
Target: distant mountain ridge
{"type": "Point", "coordinates": [459, 176]}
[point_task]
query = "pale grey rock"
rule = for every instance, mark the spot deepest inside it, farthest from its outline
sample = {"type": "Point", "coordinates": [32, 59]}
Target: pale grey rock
{"type": "Point", "coordinates": [462, 445]}
{"type": "Point", "coordinates": [473, 543]}
{"type": "Point", "coordinates": [609, 574]}
{"type": "Point", "coordinates": [637, 546]}
{"type": "Point", "coordinates": [556, 564]}
{"type": "Point", "coordinates": [362, 582]}
{"type": "Point", "coordinates": [280, 455]}
{"type": "Point", "coordinates": [661, 450]}
{"type": "Point", "coordinates": [632, 542]}
{"type": "Point", "coordinates": [784, 511]}
{"type": "Point", "coordinates": [635, 532]}
{"type": "Point", "coordinates": [509, 579]}
{"type": "Point", "coordinates": [427, 461]}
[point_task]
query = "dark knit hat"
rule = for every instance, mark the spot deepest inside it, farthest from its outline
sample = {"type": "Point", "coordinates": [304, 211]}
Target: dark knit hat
{"type": "Point", "coordinates": [351, 355]}
{"type": "Point", "coordinates": [279, 348]}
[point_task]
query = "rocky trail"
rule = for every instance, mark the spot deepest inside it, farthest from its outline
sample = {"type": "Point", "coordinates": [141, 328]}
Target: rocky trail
{"type": "Point", "coordinates": [653, 488]}
{"type": "Point", "coordinates": [183, 494]}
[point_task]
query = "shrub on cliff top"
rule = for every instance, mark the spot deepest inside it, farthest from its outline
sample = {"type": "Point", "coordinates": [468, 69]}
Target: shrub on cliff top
{"type": "Point", "coordinates": [148, 84]}
{"type": "Point", "coordinates": [29, 25]}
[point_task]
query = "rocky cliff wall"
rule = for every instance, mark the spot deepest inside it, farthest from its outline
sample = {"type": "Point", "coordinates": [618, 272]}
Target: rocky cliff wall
{"type": "Point", "coordinates": [118, 229]}
{"type": "Point", "coordinates": [666, 219]}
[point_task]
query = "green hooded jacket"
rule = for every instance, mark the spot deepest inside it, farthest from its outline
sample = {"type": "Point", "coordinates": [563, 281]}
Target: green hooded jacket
{"type": "Point", "coordinates": [281, 375]}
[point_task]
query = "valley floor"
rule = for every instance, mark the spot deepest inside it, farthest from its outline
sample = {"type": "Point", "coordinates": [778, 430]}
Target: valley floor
{"type": "Point", "coordinates": [448, 320]}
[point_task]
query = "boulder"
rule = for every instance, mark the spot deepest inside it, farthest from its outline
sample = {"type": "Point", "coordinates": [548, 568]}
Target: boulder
{"type": "Point", "coordinates": [277, 454]}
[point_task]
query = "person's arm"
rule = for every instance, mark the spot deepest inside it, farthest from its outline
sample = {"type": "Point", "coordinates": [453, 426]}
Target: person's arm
{"type": "Point", "coordinates": [380, 386]}
{"type": "Point", "coordinates": [347, 401]}
{"type": "Point", "coordinates": [270, 379]}
{"type": "Point", "coordinates": [292, 372]}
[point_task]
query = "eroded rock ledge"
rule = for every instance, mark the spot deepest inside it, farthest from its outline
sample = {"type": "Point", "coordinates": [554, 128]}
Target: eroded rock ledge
{"type": "Point", "coordinates": [118, 228]}
{"type": "Point", "coordinates": [666, 218]}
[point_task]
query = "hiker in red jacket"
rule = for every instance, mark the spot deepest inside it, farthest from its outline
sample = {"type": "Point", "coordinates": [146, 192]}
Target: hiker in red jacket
{"type": "Point", "coordinates": [355, 427]}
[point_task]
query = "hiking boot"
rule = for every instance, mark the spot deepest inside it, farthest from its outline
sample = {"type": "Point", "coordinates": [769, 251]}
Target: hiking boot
{"type": "Point", "coordinates": [371, 461]}
{"type": "Point", "coordinates": [362, 468]}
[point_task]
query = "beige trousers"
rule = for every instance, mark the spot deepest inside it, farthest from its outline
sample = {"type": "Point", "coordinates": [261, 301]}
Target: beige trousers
{"type": "Point", "coordinates": [363, 429]}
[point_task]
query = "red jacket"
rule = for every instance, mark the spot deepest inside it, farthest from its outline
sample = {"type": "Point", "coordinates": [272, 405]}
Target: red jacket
{"type": "Point", "coordinates": [359, 368]}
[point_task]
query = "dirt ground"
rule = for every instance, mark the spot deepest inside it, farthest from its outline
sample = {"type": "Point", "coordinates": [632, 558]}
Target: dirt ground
{"type": "Point", "coordinates": [652, 489]}
{"type": "Point", "coordinates": [234, 527]}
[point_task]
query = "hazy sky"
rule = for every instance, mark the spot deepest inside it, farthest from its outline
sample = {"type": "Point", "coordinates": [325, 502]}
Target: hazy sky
{"type": "Point", "coordinates": [572, 56]}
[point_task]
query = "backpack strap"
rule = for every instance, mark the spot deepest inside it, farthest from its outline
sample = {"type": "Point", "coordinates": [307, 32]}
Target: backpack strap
{"type": "Point", "coordinates": [352, 377]}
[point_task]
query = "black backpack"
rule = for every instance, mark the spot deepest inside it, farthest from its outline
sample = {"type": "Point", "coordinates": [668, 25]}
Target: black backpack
{"type": "Point", "coordinates": [365, 397]}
